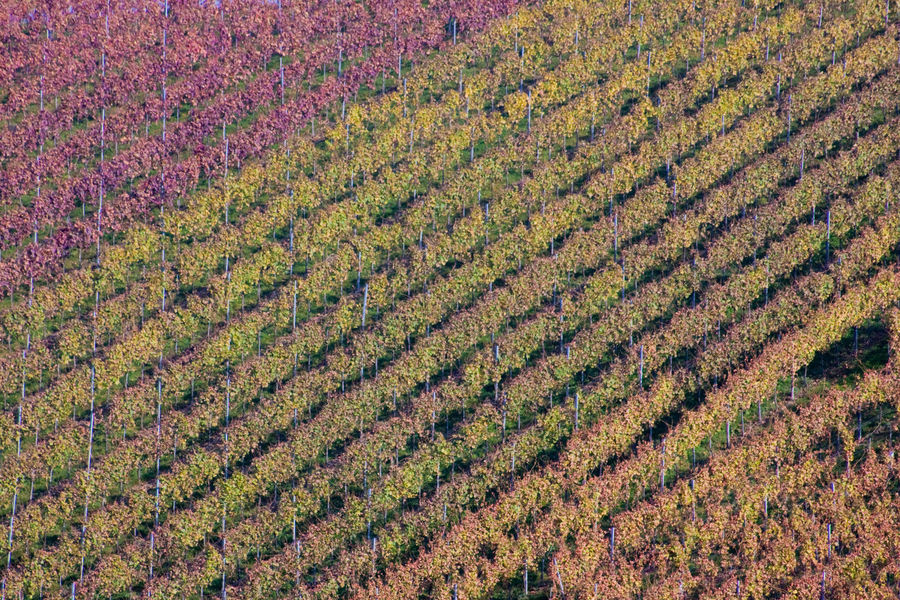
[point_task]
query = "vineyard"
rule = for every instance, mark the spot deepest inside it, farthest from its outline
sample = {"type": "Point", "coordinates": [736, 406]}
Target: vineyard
{"type": "Point", "coordinates": [452, 299]}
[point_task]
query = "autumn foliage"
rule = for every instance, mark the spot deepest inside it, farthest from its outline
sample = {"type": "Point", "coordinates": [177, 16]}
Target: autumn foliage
{"type": "Point", "coordinates": [450, 299]}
